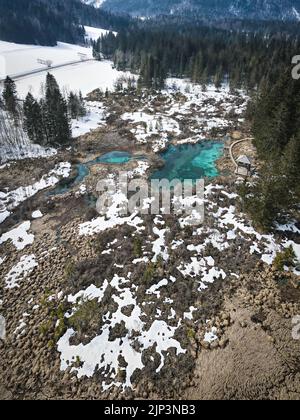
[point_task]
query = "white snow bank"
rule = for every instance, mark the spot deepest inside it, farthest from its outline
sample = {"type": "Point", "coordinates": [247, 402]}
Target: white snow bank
{"type": "Point", "coordinates": [95, 33]}
{"type": "Point", "coordinates": [159, 245]}
{"type": "Point", "coordinates": [20, 271]}
{"type": "Point", "coordinates": [92, 292]}
{"type": "Point", "coordinates": [155, 288]}
{"type": "Point", "coordinates": [211, 336]}
{"type": "Point", "coordinates": [25, 150]}
{"type": "Point", "coordinates": [12, 199]}
{"type": "Point", "coordinates": [140, 170]}
{"type": "Point", "coordinates": [21, 58]}
{"type": "Point", "coordinates": [112, 218]}
{"type": "Point", "coordinates": [146, 125]}
{"type": "Point", "coordinates": [203, 268]}
{"type": "Point", "coordinates": [19, 236]}
{"type": "Point", "coordinates": [95, 117]}
{"type": "Point", "coordinates": [87, 76]}
{"type": "Point", "coordinates": [2, 328]}
{"type": "Point", "coordinates": [37, 214]}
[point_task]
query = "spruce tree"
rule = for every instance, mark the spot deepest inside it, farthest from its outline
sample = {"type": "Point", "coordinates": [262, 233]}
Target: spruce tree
{"type": "Point", "coordinates": [56, 116]}
{"type": "Point", "coordinates": [291, 165]}
{"type": "Point", "coordinates": [33, 120]}
{"type": "Point", "coordinates": [76, 105]}
{"type": "Point", "coordinates": [10, 97]}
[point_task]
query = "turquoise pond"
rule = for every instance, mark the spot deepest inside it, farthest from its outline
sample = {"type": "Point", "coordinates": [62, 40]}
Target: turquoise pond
{"type": "Point", "coordinates": [113, 158]}
{"type": "Point", "coordinates": [190, 161]}
{"type": "Point", "coordinates": [83, 170]}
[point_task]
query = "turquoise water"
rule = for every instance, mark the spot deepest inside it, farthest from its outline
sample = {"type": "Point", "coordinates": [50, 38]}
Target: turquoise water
{"type": "Point", "coordinates": [190, 161]}
{"type": "Point", "coordinates": [113, 158]}
{"type": "Point", "coordinates": [66, 185]}
{"type": "Point", "coordinates": [83, 170]}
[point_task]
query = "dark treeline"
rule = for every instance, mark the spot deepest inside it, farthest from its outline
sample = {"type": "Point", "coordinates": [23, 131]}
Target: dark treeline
{"type": "Point", "coordinates": [209, 10]}
{"type": "Point", "coordinates": [204, 54]}
{"type": "Point", "coordinates": [275, 115]}
{"type": "Point", "coordinates": [45, 22]}
{"type": "Point", "coordinates": [37, 22]}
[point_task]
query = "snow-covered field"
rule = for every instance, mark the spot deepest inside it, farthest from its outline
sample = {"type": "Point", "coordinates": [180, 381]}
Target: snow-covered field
{"type": "Point", "coordinates": [151, 125]}
{"type": "Point", "coordinates": [17, 59]}
{"type": "Point", "coordinates": [95, 117]}
{"type": "Point", "coordinates": [95, 33]}
{"type": "Point", "coordinates": [189, 119]}
{"type": "Point", "coordinates": [85, 76]}
{"type": "Point", "coordinates": [19, 236]}
{"type": "Point", "coordinates": [24, 58]}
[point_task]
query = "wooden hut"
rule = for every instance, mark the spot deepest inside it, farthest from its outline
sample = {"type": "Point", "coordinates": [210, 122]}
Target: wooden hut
{"type": "Point", "coordinates": [244, 166]}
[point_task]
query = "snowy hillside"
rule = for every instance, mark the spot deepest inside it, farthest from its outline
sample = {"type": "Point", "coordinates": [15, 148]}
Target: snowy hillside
{"type": "Point", "coordinates": [95, 3]}
{"type": "Point", "coordinates": [95, 33]}
{"type": "Point", "coordinates": [219, 9]}
{"type": "Point", "coordinates": [19, 58]}
{"type": "Point", "coordinates": [71, 73]}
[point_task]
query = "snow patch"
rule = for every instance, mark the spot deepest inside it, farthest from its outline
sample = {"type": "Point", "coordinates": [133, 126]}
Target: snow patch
{"type": "Point", "coordinates": [12, 199]}
{"type": "Point", "coordinates": [20, 271]}
{"type": "Point", "coordinates": [94, 119]}
{"type": "Point", "coordinates": [37, 214]}
{"type": "Point", "coordinates": [19, 236]}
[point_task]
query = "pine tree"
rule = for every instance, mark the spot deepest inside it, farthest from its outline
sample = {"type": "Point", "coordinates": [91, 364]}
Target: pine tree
{"type": "Point", "coordinates": [76, 105]}
{"type": "Point", "coordinates": [291, 164]}
{"type": "Point", "coordinates": [82, 108]}
{"type": "Point", "coordinates": [269, 197]}
{"type": "Point", "coordinates": [33, 120]}
{"type": "Point", "coordinates": [56, 116]}
{"type": "Point", "coordinates": [218, 78]}
{"type": "Point", "coordinates": [10, 97]}
{"type": "Point", "coordinates": [146, 72]}
{"type": "Point", "coordinates": [279, 128]}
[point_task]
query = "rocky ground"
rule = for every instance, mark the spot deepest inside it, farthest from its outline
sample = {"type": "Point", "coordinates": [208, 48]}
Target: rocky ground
{"type": "Point", "coordinates": [146, 306]}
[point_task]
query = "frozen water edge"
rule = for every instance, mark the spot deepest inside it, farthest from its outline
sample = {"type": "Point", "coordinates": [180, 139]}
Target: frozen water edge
{"type": "Point", "coordinates": [12, 199]}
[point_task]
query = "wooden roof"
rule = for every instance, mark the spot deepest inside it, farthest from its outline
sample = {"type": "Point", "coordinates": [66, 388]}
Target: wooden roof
{"type": "Point", "coordinates": [244, 160]}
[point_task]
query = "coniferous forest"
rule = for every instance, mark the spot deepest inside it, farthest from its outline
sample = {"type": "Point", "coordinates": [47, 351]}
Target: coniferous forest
{"type": "Point", "coordinates": [275, 118]}
{"type": "Point", "coordinates": [44, 22]}
{"type": "Point", "coordinates": [203, 54]}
